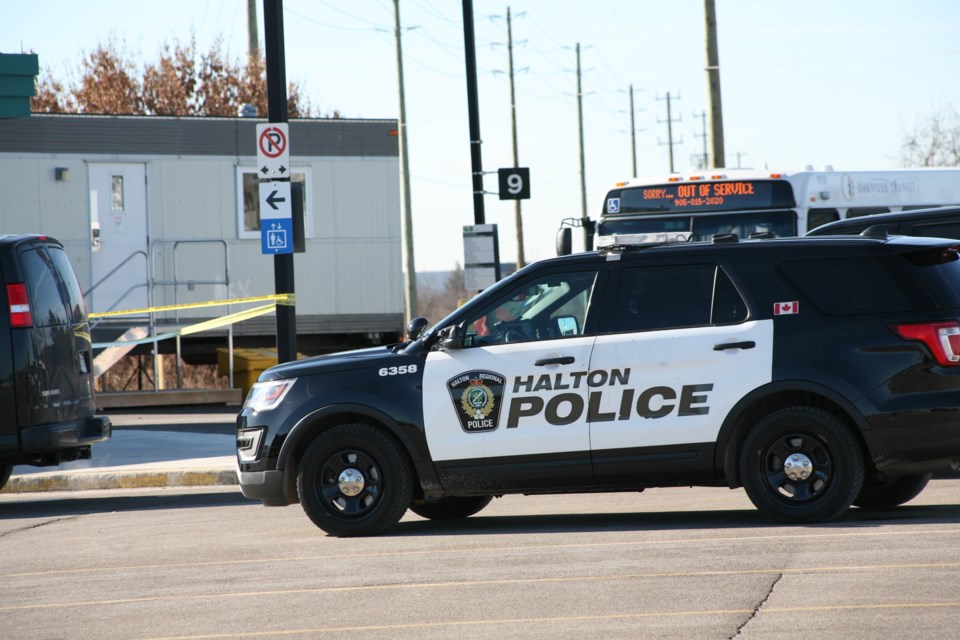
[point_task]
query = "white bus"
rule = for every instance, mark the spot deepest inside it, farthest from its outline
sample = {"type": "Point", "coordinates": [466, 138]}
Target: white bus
{"type": "Point", "coordinates": [749, 202]}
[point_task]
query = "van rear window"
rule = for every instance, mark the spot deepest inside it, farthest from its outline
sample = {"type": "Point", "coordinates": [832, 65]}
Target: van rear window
{"type": "Point", "coordinates": [75, 304]}
{"type": "Point", "coordinates": [43, 288]}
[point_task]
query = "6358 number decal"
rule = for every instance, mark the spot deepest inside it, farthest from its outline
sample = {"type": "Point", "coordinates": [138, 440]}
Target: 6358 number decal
{"type": "Point", "coordinates": [398, 371]}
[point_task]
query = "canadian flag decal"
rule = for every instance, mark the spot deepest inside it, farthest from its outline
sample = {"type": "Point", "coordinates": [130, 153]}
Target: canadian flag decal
{"type": "Point", "coordinates": [786, 308]}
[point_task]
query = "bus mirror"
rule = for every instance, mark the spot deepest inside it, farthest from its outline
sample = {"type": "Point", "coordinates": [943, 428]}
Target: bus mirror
{"type": "Point", "coordinates": [416, 327]}
{"type": "Point", "coordinates": [564, 241]}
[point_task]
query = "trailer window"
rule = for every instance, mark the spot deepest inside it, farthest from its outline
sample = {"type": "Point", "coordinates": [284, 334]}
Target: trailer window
{"type": "Point", "coordinates": [248, 201]}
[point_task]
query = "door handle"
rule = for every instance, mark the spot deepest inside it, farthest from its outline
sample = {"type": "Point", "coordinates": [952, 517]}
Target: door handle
{"type": "Point", "coordinates": [747, 344]}
{"type": "Point", "coordinates": [557, 360]}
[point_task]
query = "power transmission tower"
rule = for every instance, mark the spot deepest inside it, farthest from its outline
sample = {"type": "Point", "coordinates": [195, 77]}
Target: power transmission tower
{"type": "Point", "coordinates": [406, 220]}
{"type": "Point", "coordinates": [521, 260]}
{"type": "Point", "coordinates": [702, 160]}
{"type": "Point", "coordinates": [670, 122]}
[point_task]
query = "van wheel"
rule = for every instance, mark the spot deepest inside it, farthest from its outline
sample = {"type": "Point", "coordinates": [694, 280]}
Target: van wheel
{"type": "Point", "coordinates": [354, 480]}
{"type": "Point", "coordinates": [450, 508]}
{"type": "Point", "coordinates": [891, 493]}
{"type": "Point", "coordinates": [5, 471]}
{"type": "Point", "coordinates": [801, 465]}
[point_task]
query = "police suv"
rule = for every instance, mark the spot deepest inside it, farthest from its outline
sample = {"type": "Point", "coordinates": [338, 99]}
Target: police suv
{"type": "Point", "coordinates": [814, 372]}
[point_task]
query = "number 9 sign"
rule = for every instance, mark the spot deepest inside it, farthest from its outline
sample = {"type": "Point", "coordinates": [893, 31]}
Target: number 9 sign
{"type": "Point", "coordinates": [514, 183]}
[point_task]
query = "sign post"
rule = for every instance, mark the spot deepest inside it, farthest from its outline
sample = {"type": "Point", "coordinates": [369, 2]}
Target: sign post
{"type": "Point", "coordinates": [274, 143]}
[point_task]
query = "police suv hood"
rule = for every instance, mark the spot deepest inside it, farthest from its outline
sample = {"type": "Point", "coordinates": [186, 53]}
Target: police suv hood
{"type": "Point", "coordinates": [343, 361]}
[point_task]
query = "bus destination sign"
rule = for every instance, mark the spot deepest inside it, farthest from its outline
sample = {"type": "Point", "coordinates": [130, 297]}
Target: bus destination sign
{"type": "Point", "coordinates": [732, 195]}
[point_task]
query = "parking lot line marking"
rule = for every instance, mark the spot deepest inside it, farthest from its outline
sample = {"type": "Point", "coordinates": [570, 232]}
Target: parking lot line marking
{"type": "Point", "coordinates": [485, 550]}
{"type": "Point", "coordinates": [557, 619]}
{"type": "Point", "coordinates": [482, 583]}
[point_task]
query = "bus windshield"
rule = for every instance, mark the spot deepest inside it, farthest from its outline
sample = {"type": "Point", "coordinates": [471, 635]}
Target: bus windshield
{"type": "Point", "coordinates": [703, 227]}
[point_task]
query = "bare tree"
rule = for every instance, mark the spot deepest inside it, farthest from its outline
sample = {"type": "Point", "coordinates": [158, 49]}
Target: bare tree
{"type": "Point", "coordinates": [436, 303]}
{"type": "Point", "coordinates": [935, 141]}
{"type": "Point", "coordinates": [180, 83]}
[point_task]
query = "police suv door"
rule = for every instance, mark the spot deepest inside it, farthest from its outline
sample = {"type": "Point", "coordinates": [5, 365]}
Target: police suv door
{"type": "Point", "coordinates": [680, 350]}
{"type": "Point", "coordinates": [508, 410]}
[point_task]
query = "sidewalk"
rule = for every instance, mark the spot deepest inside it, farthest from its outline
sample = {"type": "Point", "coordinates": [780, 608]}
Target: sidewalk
{"type": "Point", "coordinates": [176, 447]}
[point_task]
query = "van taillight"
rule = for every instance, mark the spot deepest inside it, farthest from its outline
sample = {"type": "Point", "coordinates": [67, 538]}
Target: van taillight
{"type": "Point", "coordinates": [942, 338]}
{"type": "Point", "coordinates": [19, 306]}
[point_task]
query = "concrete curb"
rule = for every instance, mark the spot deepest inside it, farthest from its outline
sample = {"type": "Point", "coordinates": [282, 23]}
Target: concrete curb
{"type": "Point", "coordinates": [113, 479]}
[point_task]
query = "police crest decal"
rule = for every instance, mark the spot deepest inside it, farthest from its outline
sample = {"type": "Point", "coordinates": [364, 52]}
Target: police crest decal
{"type": "Point", "coordinates": [477, 397]}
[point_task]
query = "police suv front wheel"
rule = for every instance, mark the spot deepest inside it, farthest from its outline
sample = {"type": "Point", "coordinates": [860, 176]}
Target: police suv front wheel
{"type": "Point", "coordinates": [354, 480]}
{"type": "Point", "coordinates": [801, 465]}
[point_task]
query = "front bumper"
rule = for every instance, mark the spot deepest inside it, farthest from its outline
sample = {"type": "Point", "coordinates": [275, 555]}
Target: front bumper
{"type": "Point", "coordinates": [266, 486]}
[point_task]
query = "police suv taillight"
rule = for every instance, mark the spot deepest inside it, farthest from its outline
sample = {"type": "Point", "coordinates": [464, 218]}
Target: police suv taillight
{"type": "Point", "coordinates": [942, 338]}
{"type": "Point", "coordinates": [20, 316]}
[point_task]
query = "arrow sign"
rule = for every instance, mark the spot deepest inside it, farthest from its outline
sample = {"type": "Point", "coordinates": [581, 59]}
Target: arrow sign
{"type": "Point", "coordinates": [273, 199]}
{"type": "Point", "coordinates": [275, 202]}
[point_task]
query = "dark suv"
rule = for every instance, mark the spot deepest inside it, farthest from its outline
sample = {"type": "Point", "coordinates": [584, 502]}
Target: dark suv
{"type": "Point", "coordinates": [940, 222]}
{"type": "Point", "coordinates": [814, 372]}
{"type": "Point", "coordinates": [46, 384]}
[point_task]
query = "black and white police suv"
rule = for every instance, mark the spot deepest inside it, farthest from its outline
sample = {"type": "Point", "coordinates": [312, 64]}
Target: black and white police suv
{"type": "Point", "coordinates": [814, 372]}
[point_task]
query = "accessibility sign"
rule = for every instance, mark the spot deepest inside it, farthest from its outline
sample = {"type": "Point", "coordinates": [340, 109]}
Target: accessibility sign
{"type": "Point", "coordinates": [276, 218]}
{"type": "Point", "coordinates": [273, 150]}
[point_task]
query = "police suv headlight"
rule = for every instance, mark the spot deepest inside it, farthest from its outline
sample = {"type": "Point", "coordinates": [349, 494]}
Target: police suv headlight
{"type": "Point", "coordinates": [248, 444]}
{"type": "Point", "coordinates": [265, 396]}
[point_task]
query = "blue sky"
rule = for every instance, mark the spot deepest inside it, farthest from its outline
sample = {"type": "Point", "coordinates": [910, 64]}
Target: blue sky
{"type": "Point", "coordinates": [837, 82]}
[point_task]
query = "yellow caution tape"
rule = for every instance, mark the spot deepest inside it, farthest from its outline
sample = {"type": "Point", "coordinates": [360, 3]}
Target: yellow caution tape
{"type": "Point", "coordinates": [279, 298]}
{"type": "Point", "coordinates": [194, 328]}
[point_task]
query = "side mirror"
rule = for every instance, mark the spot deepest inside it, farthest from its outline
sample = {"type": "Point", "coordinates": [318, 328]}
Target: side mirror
{"type": "Point", "coordinates": [416, 327]}
{"type": "Point", "coordinates": [451, 338]}
{"type": "Point", "coordinates": [564, 241]}
{"type": "Point", "coordinates": [566, 326]}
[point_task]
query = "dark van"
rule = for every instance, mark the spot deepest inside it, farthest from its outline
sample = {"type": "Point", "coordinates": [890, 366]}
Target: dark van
{"type": "Point", "coordinates": [46, 363]}
{"type": "Point", "coordinates": [941, 222]}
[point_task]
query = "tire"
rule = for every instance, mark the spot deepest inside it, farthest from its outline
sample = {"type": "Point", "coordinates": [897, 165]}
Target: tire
{"type": "Point", "coordinates": [451, 508]}
{"type": "Point", "coordinates": [826, 463]}
{"type": "Point", "coordinates": [5, 471]}
{"type": "Point", "coordinates": [891, 493]}
{"type": "Point", "coordinates": [354, 480]}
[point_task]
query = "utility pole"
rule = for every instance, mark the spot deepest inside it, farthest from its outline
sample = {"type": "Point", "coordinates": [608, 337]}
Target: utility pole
{"type": "Point", "coordinates": [277, 110]}
{"type": "Point", "coordinates": [670, 122]}
{"type": "Point", "coordinates": [713, 85]}
{"type": "Point", "coordinates": [406, 219]}
{"type": "Point", "coordinates": [585, 219]}
{"type": "Point", "coordinates": [476, 160]}
{"type": "Point", "coordinates": [253, 46]}
{"type": "Point", "coordinates": [521, 260]}
{"type": "Point", "coordinates": [633, 134]}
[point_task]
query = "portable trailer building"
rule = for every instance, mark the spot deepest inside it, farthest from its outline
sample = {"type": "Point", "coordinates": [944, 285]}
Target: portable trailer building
{"type": "Point", "coordinates": [161, 211]}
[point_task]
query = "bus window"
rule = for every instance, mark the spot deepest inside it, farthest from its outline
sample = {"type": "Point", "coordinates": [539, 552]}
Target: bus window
{"type": "Point", "coordinates": [817, 217]}
{"type": "Point", "coordinates": [856, 212]}
{"type": "Point", "coordinates": [938, 230]}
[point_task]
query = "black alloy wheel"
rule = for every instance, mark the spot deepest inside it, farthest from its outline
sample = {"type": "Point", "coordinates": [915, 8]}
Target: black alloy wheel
{"type": "Point", "coordinates": [354, 480]}
{"type": "Point", "coordinates": [801, 465]}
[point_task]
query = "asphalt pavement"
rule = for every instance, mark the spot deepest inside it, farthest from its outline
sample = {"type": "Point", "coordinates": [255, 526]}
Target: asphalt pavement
{"type": "Point", "coordinates": [156, 447]}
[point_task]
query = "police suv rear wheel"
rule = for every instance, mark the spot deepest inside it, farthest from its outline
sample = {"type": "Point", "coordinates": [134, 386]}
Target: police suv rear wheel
{"type": "Point", "coordinates": [5, 471]}
{"type": "Point", "coordinates": [801, 465]}
{"type": "Point", "coordinates": [450, 508]}
{"type": "Point", "coordinates": [354, 480]}
{"type": "Point", "coordinates": [891, 493]}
